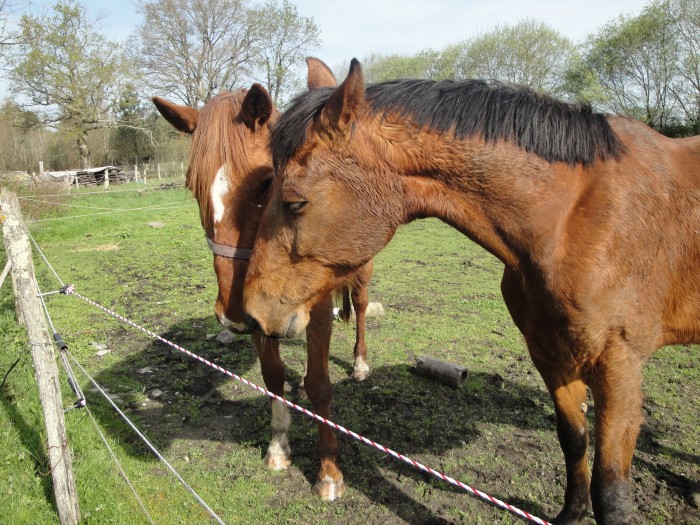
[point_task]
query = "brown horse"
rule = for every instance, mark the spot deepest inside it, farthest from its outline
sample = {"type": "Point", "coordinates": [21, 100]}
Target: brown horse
{"type": "Point", "coordinates": [595, 218]}
{"type": "Point", "coordinates": [229, 173]}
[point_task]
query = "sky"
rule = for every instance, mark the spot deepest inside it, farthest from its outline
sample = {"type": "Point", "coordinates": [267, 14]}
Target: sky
{"type": "Point", "coordinates": [358, 28]}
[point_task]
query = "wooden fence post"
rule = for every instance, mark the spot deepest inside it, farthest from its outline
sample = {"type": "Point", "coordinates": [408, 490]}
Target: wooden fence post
{"type": "Point", "coordinates": [5, 272]}
{"type": "Point", "coordinates": [45, 370]}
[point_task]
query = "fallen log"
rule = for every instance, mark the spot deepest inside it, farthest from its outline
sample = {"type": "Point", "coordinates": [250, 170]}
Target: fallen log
{"type": "Point", "coordinates": [443, 371]}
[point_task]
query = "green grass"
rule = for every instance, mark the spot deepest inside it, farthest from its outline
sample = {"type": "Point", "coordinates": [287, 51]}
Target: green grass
{"type": "Point", "coordinates": [441, 297]}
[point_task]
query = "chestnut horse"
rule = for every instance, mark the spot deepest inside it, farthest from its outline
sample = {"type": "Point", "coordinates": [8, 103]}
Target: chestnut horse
{"type": "Point", "coordinates": [229, 173]}
{"type": "Point", "coordinates": [595, 218]}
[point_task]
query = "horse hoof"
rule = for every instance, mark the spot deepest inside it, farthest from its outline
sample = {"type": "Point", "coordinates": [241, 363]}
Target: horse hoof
{"type": "Point", "coordinates": [571, 517]}
{"type": "Point", "coordinates": [329, 489]}
{"type": "Point", "coordinates": [360, 372]}
{"type": "Point", "coordinates": [277, 461]}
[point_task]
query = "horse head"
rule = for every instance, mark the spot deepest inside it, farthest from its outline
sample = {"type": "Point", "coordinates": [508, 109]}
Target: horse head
{"type": "Point", "coordinates": [310, 238]}
{"type": "Point", "coordinates": [230, 172]}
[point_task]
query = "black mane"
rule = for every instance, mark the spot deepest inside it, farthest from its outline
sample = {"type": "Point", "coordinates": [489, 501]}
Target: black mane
{"type": "Point", "coordinates": [552, 129]}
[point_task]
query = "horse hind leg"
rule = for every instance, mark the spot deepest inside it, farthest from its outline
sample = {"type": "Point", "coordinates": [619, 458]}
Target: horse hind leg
{"type": "Point", "coordinates": [279, 454]}
{"type": "Point", "coordinates": [360, 300]}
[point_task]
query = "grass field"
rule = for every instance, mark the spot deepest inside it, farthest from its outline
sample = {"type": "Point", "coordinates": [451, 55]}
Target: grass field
{"type": "Point", "coordinates": [441, 296]}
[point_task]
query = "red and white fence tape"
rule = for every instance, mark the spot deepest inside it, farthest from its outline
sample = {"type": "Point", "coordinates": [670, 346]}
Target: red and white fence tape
{"type": "Point", "coordinates": [70, 290]}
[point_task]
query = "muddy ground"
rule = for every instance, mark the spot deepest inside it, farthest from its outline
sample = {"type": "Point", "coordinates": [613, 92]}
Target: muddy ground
{"type": "Point", "coordinates": [496, 433]}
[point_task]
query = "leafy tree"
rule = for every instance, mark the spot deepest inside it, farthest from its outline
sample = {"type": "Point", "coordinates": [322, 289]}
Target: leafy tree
{"type": "Point", "coordinates": [63, 66]}
{"type": "Point", "coordinates": [426, 64]}
{"type": "Point", "coordinates": [22, 138]}
{"type": "Point", "coordinates": [285, 39]}
{"type": "Point", "coordinates": [633, 59]}
{"type": "Point", "coordinates": [192, 49]}
{"type": "Point", "coordinates": [686, 86]}
{"type": "Point", "coordinates": [528, 53]}
{"type": "Point", "coordinates": [132, 141]}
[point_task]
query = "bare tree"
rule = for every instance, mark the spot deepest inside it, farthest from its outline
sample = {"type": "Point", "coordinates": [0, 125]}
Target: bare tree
{"type": "Point", "coordinates": [64, 67]}
{"type": "Point", "coordinates": [285, 40]}
{"type": "Point", "coordinates": [686, 86]}
{"type": "Point", "coordinates": [191, 49]}
{"type": "Point", "coordinates": [7, 9]}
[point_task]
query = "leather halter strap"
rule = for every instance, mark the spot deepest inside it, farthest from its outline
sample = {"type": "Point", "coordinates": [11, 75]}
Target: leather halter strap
{"type": "Point", "coordinates": [229, 251]}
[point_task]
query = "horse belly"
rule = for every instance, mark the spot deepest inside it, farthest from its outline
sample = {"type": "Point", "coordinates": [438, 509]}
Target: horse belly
{"type": "Point", "coordinates": [682, 320]}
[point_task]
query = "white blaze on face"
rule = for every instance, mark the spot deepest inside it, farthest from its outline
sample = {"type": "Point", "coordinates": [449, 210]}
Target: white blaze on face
{"type": "Point", "coordinates": [218, 192]}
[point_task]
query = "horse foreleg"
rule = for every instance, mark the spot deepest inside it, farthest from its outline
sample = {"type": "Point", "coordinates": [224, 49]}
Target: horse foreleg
{"type": "Point", "coordinates": [279, 455]}
{"type": "Point", "coordinates": [568, 392]}
{"type": "Point", "coordinates": [329, 484]}
{"type": "Point", "coordinates": [617, 394]}
{"type": "Point", "coordinates": [360, 300]}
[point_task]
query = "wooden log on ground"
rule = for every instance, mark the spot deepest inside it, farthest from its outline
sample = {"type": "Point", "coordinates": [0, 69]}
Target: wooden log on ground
{"type": "Point", "coordinates": [443, 371]}
{"type": "Point", "coordinates": [19, 254]}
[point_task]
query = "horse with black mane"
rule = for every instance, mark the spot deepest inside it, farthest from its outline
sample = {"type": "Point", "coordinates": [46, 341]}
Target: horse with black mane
{"type": "Point", "coordinates": [596, 219]}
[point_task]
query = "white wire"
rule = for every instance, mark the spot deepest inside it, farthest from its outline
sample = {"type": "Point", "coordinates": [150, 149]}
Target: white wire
{"type": "Point", "coordinates": [70, 373]}
{"type": "Point", "coordinates": [104, 192]}
{"type": "Point", "coordinates": [75, 384]}
{"type": "Point", "coordinates": [119, 466]}
{"type": "Point", "coordinates": [146, 441]}
{"type": "Point", "coordinates": [71, 205]}
{"type": "Point", "coordinates": [161, 207]}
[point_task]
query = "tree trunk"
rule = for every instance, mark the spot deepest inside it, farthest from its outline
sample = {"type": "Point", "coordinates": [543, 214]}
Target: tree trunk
{"type": "Point", "coordinates": [83, 150]}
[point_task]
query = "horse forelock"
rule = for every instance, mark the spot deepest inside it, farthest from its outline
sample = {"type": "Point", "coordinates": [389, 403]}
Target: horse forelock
{"type": "Point", "coordinates": [289, 133]}
{"type": "Point", "coordinates": [219, 141]}
{"type": "Point", "coordinates": [556, 131]}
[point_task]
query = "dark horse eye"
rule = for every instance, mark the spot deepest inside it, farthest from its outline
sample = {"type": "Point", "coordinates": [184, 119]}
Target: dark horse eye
{"type": "Point", "coordinates": [265, 185]}
{"type": "Point", "coordinates": [295, 207]}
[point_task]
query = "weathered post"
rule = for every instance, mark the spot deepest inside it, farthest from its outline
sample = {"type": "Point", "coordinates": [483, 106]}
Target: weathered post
{"type": "Point", "coordinates": [5, 272]}
{"type": "Point", "coordinates": [107, 179]}
{"type": "Point", "coordinates": [45, 370]}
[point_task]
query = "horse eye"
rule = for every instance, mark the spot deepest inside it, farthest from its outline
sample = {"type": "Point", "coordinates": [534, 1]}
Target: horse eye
{"type": "Point", "coordinates": [295, 207]}
{"type": "Point", "coordinates": [265, 185]}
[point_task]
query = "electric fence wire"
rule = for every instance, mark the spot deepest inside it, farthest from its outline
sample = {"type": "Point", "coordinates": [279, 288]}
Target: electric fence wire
{"type": "Point", "coordinates": [75, 385]}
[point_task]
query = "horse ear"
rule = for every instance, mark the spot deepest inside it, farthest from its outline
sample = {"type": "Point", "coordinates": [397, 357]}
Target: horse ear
{"type": "Point", "coordinates": [183, 118]}
{"type": "Point", "coordinates": [257, 106]}
{"type": "Point", "coordinates": [343, 106]}
{"type": "Point", "coordinates": [319, 74]}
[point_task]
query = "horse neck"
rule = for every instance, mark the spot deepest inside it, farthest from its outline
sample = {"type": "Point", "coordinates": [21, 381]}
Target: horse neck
{"type": "Point", "coordinates": [496, 194]}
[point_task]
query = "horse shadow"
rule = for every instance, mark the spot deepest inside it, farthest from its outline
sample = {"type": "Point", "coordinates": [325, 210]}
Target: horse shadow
{"type": "Point", "coordinates": [173, 396]}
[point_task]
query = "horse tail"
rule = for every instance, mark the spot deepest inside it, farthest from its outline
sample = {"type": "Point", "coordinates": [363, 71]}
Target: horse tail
{"type": "Point", "coordinates": [346, 311]}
